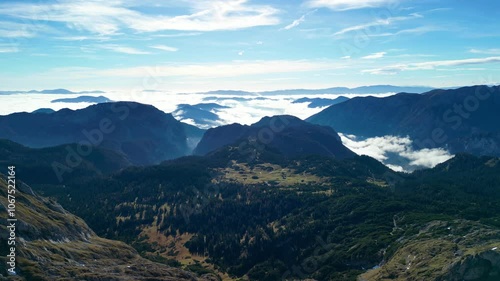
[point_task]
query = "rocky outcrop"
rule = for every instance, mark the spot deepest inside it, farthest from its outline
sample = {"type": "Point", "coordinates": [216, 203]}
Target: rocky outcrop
{"type": "Point", "coordinates": [444, 251]}
{"type": "Point", "coordinates": [482, 266]}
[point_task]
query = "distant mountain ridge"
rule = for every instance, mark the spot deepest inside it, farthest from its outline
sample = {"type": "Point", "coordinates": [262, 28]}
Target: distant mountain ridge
{"type": "Point", "coordinates": [461, 120]}
{"type": "Point", "coordinates": [204, 115]}
{"type": "Point", "coordinates": [52, 91]}
{"type": "Point", "coordinates": [88, 99]}
{"type": "Point", "coordinates": [374, 89]}
{"type": "Point", "coordinates": [143, 133]}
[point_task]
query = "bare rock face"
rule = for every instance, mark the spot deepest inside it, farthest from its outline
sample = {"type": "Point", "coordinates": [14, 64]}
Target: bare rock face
{"type": "Point", "coordinates": [483, 266]}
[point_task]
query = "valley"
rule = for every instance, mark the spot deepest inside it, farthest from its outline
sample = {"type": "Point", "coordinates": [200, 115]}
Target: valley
{"type": "Point", "coordinates": [249, 140]}
{"type": "Point", "coordinates": [280, 199]}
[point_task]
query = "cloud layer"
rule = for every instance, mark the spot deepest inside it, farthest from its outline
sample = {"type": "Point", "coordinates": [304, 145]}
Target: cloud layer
{"type": "Point", "coordinates": [394, 69]}
{"type": "Point", "coordinates": [396, 152]}
{"type": "Point", "coordinates": [343, 5]}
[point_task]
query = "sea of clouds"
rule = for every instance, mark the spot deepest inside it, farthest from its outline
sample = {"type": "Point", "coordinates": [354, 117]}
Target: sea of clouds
{"type": "Point", "coordinates": [395, 152]}
{"type": "Point", "coordinates": [244, 112]}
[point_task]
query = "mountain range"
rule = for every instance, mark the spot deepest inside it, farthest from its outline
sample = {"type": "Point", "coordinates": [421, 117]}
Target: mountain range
{"type": "Point", "coordinates": [269, 217]}
{"type": "Point", "coordinates": [52, 91]}
{"type": "Point", "coordinates": [374, 89]}
{"type": "Point", "coordinates": [281, 199]}
{"type": "Point", "coordinates": [460, 120]}
{"type": "Point", "coordinates": [144, 134]}
{"type": "Point", "coordinates": [89, 99]}
{"type": "Point", "coordinates": [321, 102]}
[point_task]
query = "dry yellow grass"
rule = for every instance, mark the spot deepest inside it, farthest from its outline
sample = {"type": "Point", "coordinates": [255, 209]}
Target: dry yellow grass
{"type": "Point", "coordinates": [266, 174]}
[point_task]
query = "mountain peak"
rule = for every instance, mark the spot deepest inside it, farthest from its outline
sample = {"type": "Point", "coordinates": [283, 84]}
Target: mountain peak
{"type": "Point", "coordinates": [287, 120]}
{"type": "Point", "coordinates": [287, 134]}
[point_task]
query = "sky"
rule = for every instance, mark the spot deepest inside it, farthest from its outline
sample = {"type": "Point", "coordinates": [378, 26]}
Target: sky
{"type": "Point", "coordinates": [254, 45]}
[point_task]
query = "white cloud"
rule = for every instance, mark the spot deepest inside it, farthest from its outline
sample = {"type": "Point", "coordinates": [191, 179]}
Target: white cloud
{"type": "Point", "coordinates": [386, 148]}
{"type": "Point", "coordinates": [124, 49]}
{"type": "Point", "coordinates": [20, 30]}
{"type": "Point", "coordinates": [15, 33]}
{"type": "Point", "coordinates": [361, 27]}
{"type": "Point", "coordinates": [82, 38]}
{"type": "Point", "coordinates": [165, 48]}
{"type": "Point", "coordinates": [376, 23]}
{"type": "Point", "coordinates": [375, 56]}
{"type": "Point", "coordinates": [395, 168]}
{"type": "Point", "coordinates": [109, 17]}
{"type": "Point", "coordinates": [428, 158]}
{"type": "Point", "coordinates": [417, 30]}
{"type": "Point", "coordinates": [394, 69]}
{"type": "Point", "coordinates": [9, 48]}
{"type": "Point", "coordinates": [487, 51]}
{"type": "Point", "coordinates": [298, 21]}
{"type": "Point", "coordinates": [295, 23]}
{"type": "Point", "coordinates": [217, 70]}
{"type": "Point", "coordinates": [241, 53]}
{"type": "Point", "coordinates": [182, 34]}
{"type": "Point", "coordinates": [376, 147]}
{"type": "Point", "coordinates": [343, 5]}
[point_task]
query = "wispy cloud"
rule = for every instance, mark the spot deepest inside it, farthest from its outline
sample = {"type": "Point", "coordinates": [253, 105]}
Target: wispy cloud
{"type": "Point", "coordinates": [416, 31]}
{"type": "Point", "coordinates": [439, 10]}
{"type": "Point", "coordinates": [181, 34]}
{"type": "Point", "coordinates": [394, 69]}
{"type": "Point", "coordinates": [9, 48]}
{"type": "Point", "coordinates": [213, 70]}
{"type": "Point", "coordinates": [16, 30]}
{"type": "Point", "coordinates": [109, 17]}
{"type": "Point", "coordinates": [15, 33]}
{"type": "Point", "coordinates": [298, 21]}
{"type": "Point", "coordinates": [165, 48]}
{"type": "Point", "coordinates": [83, 38]}
{"type": "Point", "coordinates": [375, 56]}
{"type": "Point", "coordinates": [486, 51]}
{"type": "Point", "coordinates": [378, 22]}
{"type": "Point", "coordinates": [124, 49]}
{"type": "Point", "coordinates": [295, 23]}
{"type": "Point", "coordinates": [343, 5]}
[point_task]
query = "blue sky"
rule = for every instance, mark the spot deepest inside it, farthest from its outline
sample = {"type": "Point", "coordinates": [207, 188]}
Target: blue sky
{"type": "Point", "coordinates": [198, 45]}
